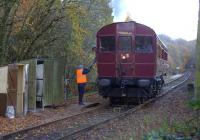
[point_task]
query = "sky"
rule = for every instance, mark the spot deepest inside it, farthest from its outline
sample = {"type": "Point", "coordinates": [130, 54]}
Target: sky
{"type": "Point", "coordinates": [175, 18]}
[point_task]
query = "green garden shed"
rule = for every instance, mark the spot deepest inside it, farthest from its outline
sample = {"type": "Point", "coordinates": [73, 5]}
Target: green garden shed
{"type": "Point", "coordinates": [45, 82]}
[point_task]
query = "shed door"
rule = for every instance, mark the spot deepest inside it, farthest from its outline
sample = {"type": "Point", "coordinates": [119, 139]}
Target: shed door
{"type": "Point", "coordinates": [125, 61]}
{"type": "Point", "coordinates": [32, 84]}
{"type": "Point", "coordinates": [53, 82]}
{"type": "Point", "coordinates": [48, 82]}
{"type": "Point", "coordinates": [12, 85]}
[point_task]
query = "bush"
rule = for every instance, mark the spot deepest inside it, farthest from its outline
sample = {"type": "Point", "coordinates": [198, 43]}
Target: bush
{"type": "Point", "coordinates": [195, 104]}
{"type": "Point", "coordinates": [162, 135]}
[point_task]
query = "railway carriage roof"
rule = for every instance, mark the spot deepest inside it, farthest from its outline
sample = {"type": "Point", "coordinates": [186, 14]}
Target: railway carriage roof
{"type": "Point", "coordinates": [163, 45]}
{"type": "Point", "coordinates": [113, 25]}
{"type": "Point", "coordinates": [118, 23]}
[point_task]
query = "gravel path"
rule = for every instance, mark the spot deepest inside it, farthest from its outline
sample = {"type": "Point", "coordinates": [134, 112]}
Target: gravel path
{"type": "Point", "coordinates": [170, 108]}
{"type": "Point", "coordinates": [32, 119]}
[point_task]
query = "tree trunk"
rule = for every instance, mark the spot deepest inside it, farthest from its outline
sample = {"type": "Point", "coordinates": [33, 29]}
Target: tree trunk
{"type": "Point", "coordinates": [197, 77]}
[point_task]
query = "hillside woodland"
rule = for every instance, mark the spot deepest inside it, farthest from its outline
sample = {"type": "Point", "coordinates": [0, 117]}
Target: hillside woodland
{"type": "Point", "coordinates": [181, 53]}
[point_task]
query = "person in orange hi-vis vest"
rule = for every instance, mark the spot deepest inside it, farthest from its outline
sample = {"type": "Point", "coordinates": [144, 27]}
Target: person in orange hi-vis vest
{"type": "Point", "coordinates": [81, 80]}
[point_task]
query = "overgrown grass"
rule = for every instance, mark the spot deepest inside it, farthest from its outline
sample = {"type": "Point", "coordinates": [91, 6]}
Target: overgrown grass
{"type": "Point", "coordinates": [185, 130]}
{"type": "Point", "coordinates": [182, 130]}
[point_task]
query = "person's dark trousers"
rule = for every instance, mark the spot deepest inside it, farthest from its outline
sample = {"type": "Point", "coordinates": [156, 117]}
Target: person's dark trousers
{"type": "Point", "coordinates": [81, 91]}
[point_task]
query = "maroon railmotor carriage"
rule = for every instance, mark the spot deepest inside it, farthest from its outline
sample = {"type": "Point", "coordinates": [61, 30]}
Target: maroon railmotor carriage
{"type": "Point", "coordinates": [131, 61]}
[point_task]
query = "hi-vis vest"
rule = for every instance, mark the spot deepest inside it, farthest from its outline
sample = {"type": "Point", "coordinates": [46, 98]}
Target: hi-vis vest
{"type": "Point", "coordinates": [80, 78]}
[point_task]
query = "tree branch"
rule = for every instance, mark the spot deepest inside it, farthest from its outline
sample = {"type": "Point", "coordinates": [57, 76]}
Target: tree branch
{"type": "Point", "coordinates": [41, 33]}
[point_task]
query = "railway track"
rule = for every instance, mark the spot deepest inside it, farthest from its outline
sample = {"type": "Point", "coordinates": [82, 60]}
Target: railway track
{"type": "Point", "coordinates": [19, 134]}
{"type": "Point", "coordinates": [71, 127]}
{"type": "Point", "coordinates": [169, 87]}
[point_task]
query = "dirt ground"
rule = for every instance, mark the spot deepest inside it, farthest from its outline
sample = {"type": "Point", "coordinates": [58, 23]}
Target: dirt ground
{"type": "Point", "coordinates": [168, 110]}
{"type": "Point", "coordinates": [31, 119]}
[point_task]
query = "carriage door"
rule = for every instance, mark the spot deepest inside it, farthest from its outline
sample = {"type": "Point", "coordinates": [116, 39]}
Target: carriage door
{"type": "Point", "coordinates": [125, 56]}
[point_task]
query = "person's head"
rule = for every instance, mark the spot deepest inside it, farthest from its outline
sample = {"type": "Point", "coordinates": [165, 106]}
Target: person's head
{"type": "Point", "coordinates": [80, 67]}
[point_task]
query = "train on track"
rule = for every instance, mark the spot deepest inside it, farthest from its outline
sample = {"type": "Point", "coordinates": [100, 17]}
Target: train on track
{"type": "Point", "coordinates": [131, 61]}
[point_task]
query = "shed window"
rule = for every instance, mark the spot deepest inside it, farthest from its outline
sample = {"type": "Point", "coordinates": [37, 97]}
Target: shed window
{"type": "Point", "coordinates": [107, 43]}
{"type": "Point", "coordinates": [143, 44]}
{"type": "Point", "coordinates": [125, 43]}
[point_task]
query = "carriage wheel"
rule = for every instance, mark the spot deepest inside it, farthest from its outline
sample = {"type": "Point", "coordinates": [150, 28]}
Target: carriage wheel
{"type": "Point", "coordinates": [152, 92]}
{"type": "Point", "coordinates": [141, 100]}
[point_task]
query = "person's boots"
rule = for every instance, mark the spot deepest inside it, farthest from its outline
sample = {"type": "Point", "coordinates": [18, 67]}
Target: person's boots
{"type": "Point", "coordinates": [81, 99]}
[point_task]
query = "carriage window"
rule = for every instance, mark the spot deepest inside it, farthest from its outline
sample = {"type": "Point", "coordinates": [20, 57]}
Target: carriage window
{"type": "Point", "coordinates": [143, 44]}
{"type": "Point", "coordinates": [125, 43]}
{"type": "Point", "coordinates": [107, 43]}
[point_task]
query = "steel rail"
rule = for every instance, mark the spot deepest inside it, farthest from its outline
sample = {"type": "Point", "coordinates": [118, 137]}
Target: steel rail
{"type": "Point", "coordinates": [73, 134]}
{"type": "Point", "coordinates": [45, 123]}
